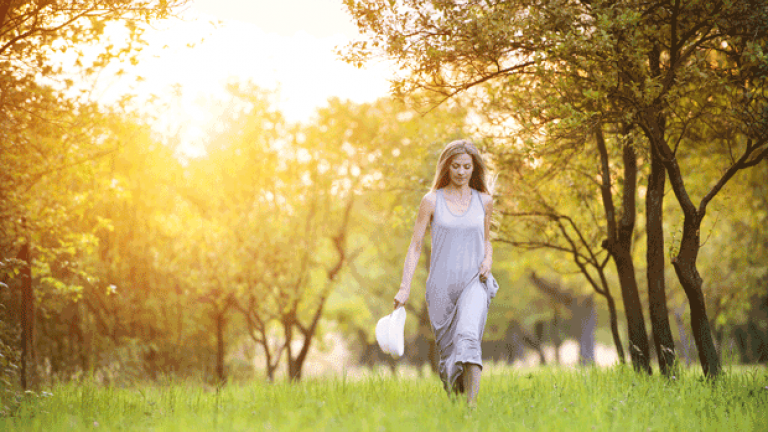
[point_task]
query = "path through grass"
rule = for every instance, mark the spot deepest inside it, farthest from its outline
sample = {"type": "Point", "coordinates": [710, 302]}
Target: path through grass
{"type": "Point", "coordinates": [545, 400]}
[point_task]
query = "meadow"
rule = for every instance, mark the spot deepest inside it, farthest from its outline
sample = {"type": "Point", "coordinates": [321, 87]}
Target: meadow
{"type": "Point", "coordinates": [546, 399]}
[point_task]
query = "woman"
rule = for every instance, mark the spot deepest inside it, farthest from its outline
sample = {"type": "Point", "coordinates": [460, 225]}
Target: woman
{"type": "Point", "coordinates": [459, 208]}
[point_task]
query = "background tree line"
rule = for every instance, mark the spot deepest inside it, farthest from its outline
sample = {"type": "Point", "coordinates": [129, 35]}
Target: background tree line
{"type": "Point", "coordinates": [123, 257]}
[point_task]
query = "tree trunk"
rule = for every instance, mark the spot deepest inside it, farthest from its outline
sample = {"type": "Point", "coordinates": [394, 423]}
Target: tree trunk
{"type": "Point", "coordinates": [662, 334]}
{"type": "Point", "coordinates": [586, 315]}
{"type": "Point", "coordinates": [639, 349]}
{"type": "Point", "coordinates": [288, 331]}
{"type": "Point", "coordinates": [554, 333]}
{"type": "Point", "coordinates": [271, 366]}
{"type": "Point", "coordinates": [619, 245]}
{"type": "Point", "coordinates": [271, 373]}
{"type": "Point", "coordinates": [76, 335]}
{"type": "Point", "coordinates": [28, 355]}
{"type": "Point", "coordinates": [258, 333]}
{"type": "Point", "coordinates": [614, 320]}
{"type": "Point", "coordinates": [295, 365]}
{"type": "Point", "coordinates": [688, 274]}
{"type": "Point", "coordinates": [294, 369]}
{"type": "Point", "coordinates": [702, 335]}
{"type": "Point", "coordinates": [536, 343]}
{"type": "Point", "coordinates": [685, 264]}
{"type": "Point", "coordinates": [220, 324]}
{"type": "Point", "coordinates": [655, 131]}
{"type": "Point", "coordinates": [657, 297]}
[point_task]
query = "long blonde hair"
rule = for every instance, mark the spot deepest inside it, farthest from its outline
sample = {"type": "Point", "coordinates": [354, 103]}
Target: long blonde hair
{"type": "Point", "coordinates": [442, 176]}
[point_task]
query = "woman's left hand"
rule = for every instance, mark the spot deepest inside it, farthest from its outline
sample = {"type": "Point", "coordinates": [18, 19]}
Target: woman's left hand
{"type": "Point", "coordinates": [485, 270]}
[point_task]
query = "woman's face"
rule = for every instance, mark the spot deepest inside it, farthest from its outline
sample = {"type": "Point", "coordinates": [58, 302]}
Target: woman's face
{"type": "Point", "coordinates": [460, 169]}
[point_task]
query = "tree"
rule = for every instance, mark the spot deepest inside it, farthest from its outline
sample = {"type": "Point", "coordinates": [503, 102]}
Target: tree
{"type": "Point", "coordinates": [226, 191]}
{"type": "Point", "coordinates": [32, 32]}
{"type": "Point", "coordinates": [45, 193]}
{"type": "Point", "coordinates": [282, 205]}
{"type": "Point", "coordinates": [620, 234]}
{"type": "Point", "coordinates": [45, 134]}
{"type": "Point", "coordinates": [544, 215]}
{"type": "Point", "coordinates": [45, 131]}
{"type": "Point", "coordinates": [683, 53]}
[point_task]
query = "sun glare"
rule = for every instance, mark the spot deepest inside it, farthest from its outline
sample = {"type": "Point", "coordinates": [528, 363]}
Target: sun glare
{"type": "Point", "coordinates": [287, 47]}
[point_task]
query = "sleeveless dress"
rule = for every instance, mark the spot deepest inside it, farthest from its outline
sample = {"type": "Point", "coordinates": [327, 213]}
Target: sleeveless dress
{"type": "Point", "coordinates": [457, 301]}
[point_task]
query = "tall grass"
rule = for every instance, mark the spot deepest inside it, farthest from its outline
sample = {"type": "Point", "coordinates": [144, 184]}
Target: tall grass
{"type": "Point", "coordinates": [615, 399]}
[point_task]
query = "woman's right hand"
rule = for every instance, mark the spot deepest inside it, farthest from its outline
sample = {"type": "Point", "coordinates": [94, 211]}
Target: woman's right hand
{"type": "Point", "coordinates": [401, 297]}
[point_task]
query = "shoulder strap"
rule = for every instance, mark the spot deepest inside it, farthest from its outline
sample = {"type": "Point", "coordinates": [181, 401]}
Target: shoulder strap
{"type": "Point", "coordinates": [479, 200]}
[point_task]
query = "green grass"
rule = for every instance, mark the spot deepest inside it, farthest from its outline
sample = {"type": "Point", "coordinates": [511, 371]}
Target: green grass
{"type": "Point", "coordinates": [614, 399]}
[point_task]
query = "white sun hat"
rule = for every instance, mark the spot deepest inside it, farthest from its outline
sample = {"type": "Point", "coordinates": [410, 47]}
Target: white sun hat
{"type": "Point", "coordinates": [389, 333]}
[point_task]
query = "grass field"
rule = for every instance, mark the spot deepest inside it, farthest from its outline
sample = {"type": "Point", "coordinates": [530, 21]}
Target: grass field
{"type": "Point", "coordinates": [614, 399]}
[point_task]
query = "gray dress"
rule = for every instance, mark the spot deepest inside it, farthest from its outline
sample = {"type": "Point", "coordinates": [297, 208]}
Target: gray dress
{"type": "Point", "coordinates": [456, 299]}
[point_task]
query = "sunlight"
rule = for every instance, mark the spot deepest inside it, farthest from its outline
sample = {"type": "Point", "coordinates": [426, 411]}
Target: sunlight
{"type": "Point", "coordinates": [287, 47]}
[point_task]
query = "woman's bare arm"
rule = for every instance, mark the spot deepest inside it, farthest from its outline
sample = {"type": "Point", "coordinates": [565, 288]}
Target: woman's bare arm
{"type": "Point", "coordinates": [426, 210]}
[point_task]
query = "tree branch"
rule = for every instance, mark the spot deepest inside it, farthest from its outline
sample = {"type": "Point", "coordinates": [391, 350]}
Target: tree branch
{"type": "Point", "coordinates": [740, 164]}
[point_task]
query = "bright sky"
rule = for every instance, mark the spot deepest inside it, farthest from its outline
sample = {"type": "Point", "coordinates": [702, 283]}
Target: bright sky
{"type": "Point", "coordinates": [284, 45]}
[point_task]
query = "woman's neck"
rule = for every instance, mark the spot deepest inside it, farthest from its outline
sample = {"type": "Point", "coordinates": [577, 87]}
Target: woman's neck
{"type": "Point", "coordinates": [453, 189]}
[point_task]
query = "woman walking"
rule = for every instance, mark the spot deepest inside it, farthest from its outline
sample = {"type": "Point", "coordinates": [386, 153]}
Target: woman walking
{"type": "Point", "coordinates": [460, 285]}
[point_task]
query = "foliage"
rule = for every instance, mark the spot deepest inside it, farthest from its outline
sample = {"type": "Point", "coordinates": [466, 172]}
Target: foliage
{"type": "Point", "coordinates": [50, 142]}
{"type": "Point", "coordinates": [34, 33]}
